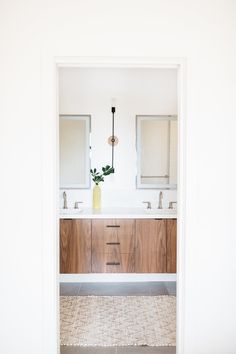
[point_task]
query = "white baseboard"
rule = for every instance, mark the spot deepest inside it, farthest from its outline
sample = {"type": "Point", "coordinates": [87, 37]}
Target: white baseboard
{"type": "Point", "coordinates": [118, 277]}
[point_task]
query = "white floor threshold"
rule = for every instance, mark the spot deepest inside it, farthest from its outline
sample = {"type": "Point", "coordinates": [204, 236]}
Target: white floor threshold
{"type": "Point", "coordinates": [115, 277]}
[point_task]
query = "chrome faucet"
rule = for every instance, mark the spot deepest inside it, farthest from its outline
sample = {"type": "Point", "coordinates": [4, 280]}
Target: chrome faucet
{"type": "Point", "coordinates": [160, 200]}
{"type": "Point", "coordinates": [65, 201]}
{"type": "Point", "coordinates": [149, 205]}
{"type": "Point", "coordinates": [171, 205]}
{"type": "Point", "coordinates": [77, 205]}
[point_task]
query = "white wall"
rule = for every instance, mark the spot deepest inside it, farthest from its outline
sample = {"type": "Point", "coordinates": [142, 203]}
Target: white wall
{"type": "Point", "coordinates": [201, 31]}
{"type": "Point", "coordinates": [136, 91]}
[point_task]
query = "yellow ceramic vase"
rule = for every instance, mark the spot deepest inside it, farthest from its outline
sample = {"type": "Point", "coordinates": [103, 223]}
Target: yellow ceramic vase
{"type": "Point", "coordinates": [96, 197]}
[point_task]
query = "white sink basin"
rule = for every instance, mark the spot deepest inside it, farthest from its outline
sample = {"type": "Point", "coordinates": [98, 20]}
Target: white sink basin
{"type": "Point", "coordinates": [70, 211]}
{"type": "Point", "coordinates": [118, 212]}
{"type": "Point", "coordinates": [160, 211]}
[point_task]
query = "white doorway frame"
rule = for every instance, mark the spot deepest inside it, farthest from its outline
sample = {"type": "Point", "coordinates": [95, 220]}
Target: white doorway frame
{"type": "Point", "coordinates": [50, 184]}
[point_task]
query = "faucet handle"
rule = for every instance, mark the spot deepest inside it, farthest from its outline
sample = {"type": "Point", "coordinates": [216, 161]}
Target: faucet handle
{"type": "Point", "coordinates": [77, 205]}
{"type": "Point", "coordinates": [64, 195]}
{"type": "Point", "coordinates": [171, 204]}
{"type": "Point", "coordinates": [149, 205]}
{"type": "Point", "coordinates": [160, 206]}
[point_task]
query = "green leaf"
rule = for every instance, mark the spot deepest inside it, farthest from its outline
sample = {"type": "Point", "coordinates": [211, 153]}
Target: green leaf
{"type": "Point", "coordinates": [98, 177]}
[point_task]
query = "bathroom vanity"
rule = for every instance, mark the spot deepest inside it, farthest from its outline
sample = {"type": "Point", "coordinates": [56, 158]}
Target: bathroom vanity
{"type": "Point", "coordinates": [118, 241]}
{"type": "Point", "coordinates": [135, 243]}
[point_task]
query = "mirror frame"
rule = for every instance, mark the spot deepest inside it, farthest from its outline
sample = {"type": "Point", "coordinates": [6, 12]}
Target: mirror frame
{"type": "Point", "coordinates": [87, 119]}
{"type": "Point", "coordinates": [139, 119]}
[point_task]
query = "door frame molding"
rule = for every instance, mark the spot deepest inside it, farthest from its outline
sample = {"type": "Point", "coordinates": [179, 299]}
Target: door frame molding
{"type": "Point", "coordinates": [50, 182]}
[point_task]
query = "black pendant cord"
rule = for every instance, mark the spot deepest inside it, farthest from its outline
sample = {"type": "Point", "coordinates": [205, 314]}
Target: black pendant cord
{"type": "Point", "coordinates": [113, 109]}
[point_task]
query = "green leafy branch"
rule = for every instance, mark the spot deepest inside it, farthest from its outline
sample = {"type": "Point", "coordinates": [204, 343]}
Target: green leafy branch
{"type": "Point", "coordinates": [98, 177]}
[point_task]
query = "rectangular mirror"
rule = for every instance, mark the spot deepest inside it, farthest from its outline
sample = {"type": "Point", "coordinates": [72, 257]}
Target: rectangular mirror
{"type": "Point", "coordinates": [157, 151]}
{"type": "Point", "coordinates": [74, 146]}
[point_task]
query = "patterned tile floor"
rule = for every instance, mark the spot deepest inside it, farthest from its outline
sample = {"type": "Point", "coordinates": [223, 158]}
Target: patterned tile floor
{"type": "Point", "coordinates": [145, 288]}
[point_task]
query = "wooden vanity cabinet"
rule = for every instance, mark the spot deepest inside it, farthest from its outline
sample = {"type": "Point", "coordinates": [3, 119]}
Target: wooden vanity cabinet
{"type": "Point", "coordinates": [150, 252]}
{"type": "Point", "coordinates": [118, 246]}
{"type": "Point", "coordinates": [75, 246]}
{"type": "Point", "coordinates": [113, 245]}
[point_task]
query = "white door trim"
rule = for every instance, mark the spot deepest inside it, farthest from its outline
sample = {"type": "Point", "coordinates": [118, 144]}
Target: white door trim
{"type": "Point", "coordinates": [50, 185]}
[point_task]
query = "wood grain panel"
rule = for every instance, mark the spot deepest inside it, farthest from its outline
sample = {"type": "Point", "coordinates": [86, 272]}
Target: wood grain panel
{"type": "Point", "coordinates": [75, 246]}
{"type": "Point", "coordinates": [113, 246]}
{"type": "Point", "coordinates": [113, 234]}
{"type": "Point", "coordinates": [171, 240]}
{"type": "Point", "coordinates": [150, 252]}
{"type": "Point", "coordinates": [113, 263]}
{"type": "Point", "coordinates": [66, 245]}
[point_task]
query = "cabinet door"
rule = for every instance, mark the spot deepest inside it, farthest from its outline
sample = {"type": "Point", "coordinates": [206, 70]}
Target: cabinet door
{"type": "Point", "coordinates": [150, 253]}
{"type": "Point", "coordinates": [75, 246]}
{"type": "Point", "coordinates": [171, 238]}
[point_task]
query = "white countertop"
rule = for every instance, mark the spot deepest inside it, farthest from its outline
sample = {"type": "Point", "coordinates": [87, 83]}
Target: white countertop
{"type": "Point", "coordinates": [118, 213]}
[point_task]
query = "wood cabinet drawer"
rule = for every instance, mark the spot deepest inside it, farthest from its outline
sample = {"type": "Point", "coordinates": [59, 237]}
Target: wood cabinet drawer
{"type": "Point", "coordinates": [110, 234]}
{"type": "Point", "coordinates": [112, 248]}
{"type": "Point", "coordinates": [113, 262]}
